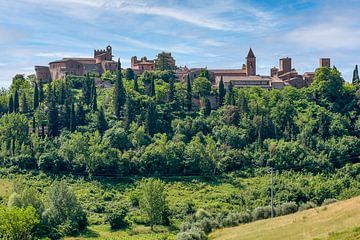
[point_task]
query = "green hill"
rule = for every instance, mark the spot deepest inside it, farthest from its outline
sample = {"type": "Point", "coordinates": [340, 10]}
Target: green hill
{"type": "Point", "coordinates": [336, 221]}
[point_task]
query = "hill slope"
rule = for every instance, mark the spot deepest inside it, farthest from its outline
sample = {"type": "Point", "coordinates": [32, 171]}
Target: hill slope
{"type": "Point", "coordinates": [315, 223]}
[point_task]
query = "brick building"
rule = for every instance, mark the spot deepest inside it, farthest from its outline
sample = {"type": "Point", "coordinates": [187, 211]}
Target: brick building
{"type": "Point", "coordinates": [101, 62]}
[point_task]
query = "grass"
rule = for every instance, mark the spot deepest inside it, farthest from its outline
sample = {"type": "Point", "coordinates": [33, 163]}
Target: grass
{"type": "Point", "coordinates": [333, 221]}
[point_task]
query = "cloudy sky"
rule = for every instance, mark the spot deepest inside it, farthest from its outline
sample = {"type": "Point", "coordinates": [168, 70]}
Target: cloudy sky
{"type": "Point", "coordinates": [199, 33]}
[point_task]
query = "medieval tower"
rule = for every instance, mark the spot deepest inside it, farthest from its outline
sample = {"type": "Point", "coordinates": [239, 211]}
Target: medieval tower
{"type": "Point", "coordinates": [250, 64]}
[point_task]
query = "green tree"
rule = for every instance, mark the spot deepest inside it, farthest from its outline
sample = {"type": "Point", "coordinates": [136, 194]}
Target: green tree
{"type": "Point", "coordinates": [16, 101]}
{"type": "Point", "coordinates": [52, 115]}
{"type": "Point", "coordinates": [150, 121]}
{"type": "Point", "coordinates": [221, 92]}
{"type": "Point", "coordinates": [102, 124]}
{"type": "Point", "coordinates": [129, 112]}
{"type": "Point", "coordinates": [63, 207]}
{"type": "Point", "coordinates": [164, 61]}
{"type": "Point", "coordinates": [14, 128]}
{"type": "Point", "coordinates": [72, 118]}
{"type": "Point", "coordinates": [230, 98]}
{"type": "Point", "coordinates": [136, 85]}
{"type": "Point", "coordinates": [201, 87]}
{"type": "Point", "coordinates": [41, 92]}
{"type": "Point", "coordinates": [206, 106]}
{"type": "Point", "coordinates": [152, 88]}
{"type": "Point", "coordinates": [17, 223]}
{"type": "Point", "coordinates": [24, 104]}
{"type": "Point", "coordinates": [356, 79]}
{"type": "Point", "coordinates": [129, 74]}
{"type": "Point", "coordinates": [36, 96]}
{"type": "Point", "coordinates": [26, 197]}
{"type": "Point", "coordinates": [94, 96]}
{"type": "Point", "coordinates": [204, 73]}
{"type": "Point", "coordinates": [87, 89]}
{"type": "Point", "coordinates": [171, 93]}
{"type": "Point", "coordinates": [188, 94]}
{"type": "Point", "coordinates": [153, 200]}
{"type": "Point", "coordinates": [80, 115]}
{"type": "Point", "coordinates": [11, 104]}
{"type": "Point", "coordinates": [119, 92]}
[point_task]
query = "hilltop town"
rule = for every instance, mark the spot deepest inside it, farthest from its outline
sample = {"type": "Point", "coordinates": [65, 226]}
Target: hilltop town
{"type": "Point", "coordinates": [246, 76]}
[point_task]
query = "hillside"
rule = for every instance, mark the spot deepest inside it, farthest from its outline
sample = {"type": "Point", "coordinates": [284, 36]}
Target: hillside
{"type": "Point", "coordinates": [315, 223]}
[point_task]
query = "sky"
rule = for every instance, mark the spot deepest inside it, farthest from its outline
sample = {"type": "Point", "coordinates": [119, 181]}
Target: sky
{"type": "Point", "coordinates": [199, 33]}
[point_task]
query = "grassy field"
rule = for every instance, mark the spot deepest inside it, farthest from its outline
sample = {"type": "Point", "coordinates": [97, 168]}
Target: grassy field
{"type": "Point", "coordinates": [334, 221]}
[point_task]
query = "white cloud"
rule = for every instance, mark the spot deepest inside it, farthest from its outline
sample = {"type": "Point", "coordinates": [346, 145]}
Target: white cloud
{"type": "Point", "coordinates": [59, 54]}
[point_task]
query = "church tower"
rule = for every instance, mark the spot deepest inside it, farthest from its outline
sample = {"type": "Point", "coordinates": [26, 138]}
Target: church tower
{"type": "Point", "coordinates": [250, 64]}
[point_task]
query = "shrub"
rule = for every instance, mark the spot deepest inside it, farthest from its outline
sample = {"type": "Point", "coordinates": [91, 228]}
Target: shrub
{"type": "Point", "coordinates": [307, 205]}
{"type": "Point", "coordinates": [286, 208]}
{"type": "Point", "coordinates": [234, 219]}
{"type": "Point", "coordinates": [201, 213]}
{"type": "Point", "coordinates": [189, 208]}
{"type": "Point", "coordinates": [261, 213]}
{"type": "Point", "coordinates": [328, 201]}
{"type": "Point", "coordinates": [192, 234]}
{"type": "Point", "coordinates": [117, 219]}
{"type": "Point", "coordinates": [204, 224]}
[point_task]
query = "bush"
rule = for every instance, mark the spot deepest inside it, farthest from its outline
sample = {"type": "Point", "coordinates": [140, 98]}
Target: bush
{"type": "Point", "coordinates": [23, 161]}
{"type": "Point", "coordinates": [204, 224]}
{"type": "Point", "coordinates": [234, 219]}
{"type": "Point", "coordinates": [189, 208]}
{"type": "Point", "coordinates": [328, 201]}
{"type": "Point", "coordinates": [201, 213]}
{"type": "Point", "coordinates": [192, 234]}
{"type": "Point", "coordinates": [117, 219]}
{"type": "Point", "coordinates": [307, 205]}
{"type": "Point", "coordinates": [286, 208]}
{"type": "Point", "coordinates": [261, 213]}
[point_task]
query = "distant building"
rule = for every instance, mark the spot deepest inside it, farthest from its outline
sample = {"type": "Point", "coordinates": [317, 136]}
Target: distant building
{"type": "Point", "coordinates": [101, 62]}
{"type": "Point", "coordinates": [139, 66]}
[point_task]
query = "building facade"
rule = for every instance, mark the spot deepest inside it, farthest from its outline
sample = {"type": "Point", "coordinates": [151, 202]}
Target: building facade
{"type": "Point", "coordinates": [101, 62]}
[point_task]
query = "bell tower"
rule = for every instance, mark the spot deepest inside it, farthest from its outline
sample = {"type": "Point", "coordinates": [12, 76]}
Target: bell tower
{"type": "Point", "coordinates": [250, 64]}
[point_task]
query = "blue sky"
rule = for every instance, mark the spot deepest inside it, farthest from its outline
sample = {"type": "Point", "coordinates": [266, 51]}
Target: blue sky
{"type": "Point", "coordinates": [199, 33]}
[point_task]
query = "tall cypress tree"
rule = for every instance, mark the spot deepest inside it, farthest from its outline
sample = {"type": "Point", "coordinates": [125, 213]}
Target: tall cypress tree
{"type": "Point", "coordinates": [206, 106]}
{"type": "Point", "coordinates": [66, 114]}
{"type": "Point", "coordinates": [188, 94]}
{"type": "Point", "coordinates": [119, 92]}
{"type": "Point", "coordinates": [11, 104]}
{"type": "Point", "coordinates": [72, 118]}
{"type": "Point", "coordinates": [80, 115]}
{"type": "Point", "coordinates": [129, 112]}
{"type": "Point", "coordinates": [52, 116]}
{"type": "Point", "coordinates": [136, 85]}
{"type": "Point", "coordinates": [230, 99]}
{"type": "Point", "coordinates": [94, 97]}
{"type": "Point", "coordinates": [16, 101]}
{"type": "Point", "coordinates": [221, 92]}
{"type": "Point", "coordinates": [41, 92]}
{"type": "Point", "coordinates": [171, 93]}
{"type": "Point", "coordinates": [152, 88]}
{"type": "Point", "coordinates": [33, 125]}
{"type": "Point", "coordinates": [36, 96]}
{"type": "Point", "coordinates": [24, 104]}
{"type": "Point", "coordinates": [356, 79]}
{"type": "Point", "coordinates": [150, 121]}
{"type": "Point", "coordinates": [101, 121]}
{"type": "Point", "coordinates": [87, 90]}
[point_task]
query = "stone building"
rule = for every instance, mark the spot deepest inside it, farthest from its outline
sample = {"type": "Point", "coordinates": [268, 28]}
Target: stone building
{"type": "Point", "coordinates": [139, 66]}
{"type": "Point", "coordinates": [101, 62]}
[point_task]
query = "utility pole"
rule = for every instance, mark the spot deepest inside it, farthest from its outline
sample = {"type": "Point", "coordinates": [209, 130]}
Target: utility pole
{"type": "Point", "coordinates": [272, 192]}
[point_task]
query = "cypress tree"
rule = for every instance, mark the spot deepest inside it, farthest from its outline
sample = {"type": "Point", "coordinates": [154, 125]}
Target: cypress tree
{"type": "Point", "coordinates": [52, 116]}
{"type": "Point", "coordinates": [16, 101]}
{"type": "Point", "coordinates": [356, 79]}
{"type": "Point", "coordinates": [230, 100]}
{"type": "Point", "coordinates": [33, 124]}
{"type": "Point", "coordinates": [66, 114]}
{"type": "Point", "coordinates": [119, 92]}
{"type": "Point", "coordinates": [206, 106]}
{"type": "Point", "coordinates": [101, 123]}
{"type": "Point", "coordinates": [171, 93]}
{"type": "Point", "coordinates": [150, 121]}
{"type": "Point", "coordinates": [129, 112]}
{"type": "Point", "coordinates": [72, 118]}
{"type": "Point", "coordinates": [136, 85]}
{"type": "Point", "coordinates": [94, 97]}
{"type": "Point", "coordinates": [80, 115]}
{"type": "Point", "coordinates": [11, 104]}
{"type": "Point", "coordinates": [188, 94]}
{"type": "Point", "coordinates": [221, 92]}
{"type": "Point", "coordinates": [24, 104]}
{"type": "Point", "coordinates": [62, 93]}
{"type": "Point", "coordinates": [36, 96]}
{"type": "Point", "coordinates": [152, 88]}
{"type": "Point", "coordinates": [87, 90]}
{"type": "Point", "coordinates": [41, 92]}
